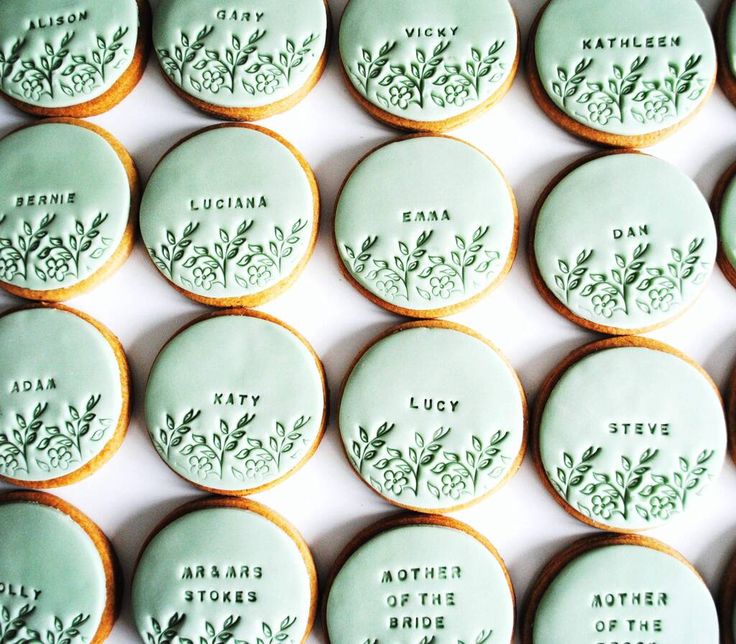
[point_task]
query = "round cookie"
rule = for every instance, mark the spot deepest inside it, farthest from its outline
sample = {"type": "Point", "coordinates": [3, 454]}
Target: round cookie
{"type": "Point", "coordinates": [724, 208]}
{"type": "Point", "coordinates": [234, 233]}
{"type": "Point", "coordinates": [628, 434]}
{"type": "Point", "coordinates": [432, 417]}
{"type": "Point", "coordinates": [68, 199]}
{"type": "Point", "coordinates": [72, 58]}
{"type": "Point", "coordinates": [425, 226]}
{"type": "Point", "coordinates": [622, 243]}
{"type": "Point", "coordinates": [629, 589]}
{"type": "Point", "coordinates": [624, 73]}
{"type": "Point", "coordinates": [428, 65]}
{"type": "Point", "coordinates": [236, 402]}
{"type": "Point", "coordinates": [420, 579]}
{"type": "Point", "coordinates": [224, 570]}
{"type": "Point", "coordinates": [64, 395]}
{"type": "Point", "coordinates": [240, 61]}
{"type": "Point", "coordinates": [59, 577]}
{"type": "Point", "coordinates": [725, 29]}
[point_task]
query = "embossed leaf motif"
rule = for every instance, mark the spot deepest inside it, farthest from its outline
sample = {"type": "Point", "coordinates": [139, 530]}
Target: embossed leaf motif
{"type": "Point", "coordinates": [641, 485]}
{"type": "Point", "coordinates": [25, 627]}
{"type": "Point", "coordinates": [169, 631]}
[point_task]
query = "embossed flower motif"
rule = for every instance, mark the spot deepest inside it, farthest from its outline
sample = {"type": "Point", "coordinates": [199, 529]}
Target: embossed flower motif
{"type": "Point", "coordinates": [395, 481]}
{"type": "Point", "coordinates": [200, 465]}
{"type": "Point", "coordinates": [258, 275]}
{"type": "Point", "coordinates": [266, 83]}
{"type": "Point", "coordinates": [255, 468]}
{"type": "Point", "coordinates": [603, 506]}
{"type": "Point", "coordinates": [57, 268]}
{"type": "Point", "coordinates": [453, 485]}
{"type": "Point", "coordinates": [83, 82]}
{"type": "Point", "coordinates": [456, 94]}
{"type": "Point", "coordinates": [400, 95]}
{"type": "Point", "coordinates": [60, 458]}
{"type": "Point", "coordinates": [8, 269]}
{"type": "Point", "coordinates": [655, 110]}
{"type": "Point", "coordinates": [604, 305]}
{"type": "Point", "coordinates": [204, 276]}
{"type": "Point", "coordinates": [213, 80]}
{"type": "Point", "coordinates": [600, 112]}
{"type": "Point", "coordinates": [441, 286]}
{"type": "Point", "coordinates": [8, 462]}
{"type": "Point", "coordinates": [661, 299]}
{"type": "Point", "coordinates": [32, 88]}
{"type": "Point", "coordinates": [391, 289]}
{"type": "Point", "coordinates": [661, 507]}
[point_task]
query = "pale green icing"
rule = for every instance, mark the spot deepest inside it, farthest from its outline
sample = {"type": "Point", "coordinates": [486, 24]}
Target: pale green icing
{"type": "Point", "coordinates": [731, 39]}
{"type": "Point", "coordinates": [240, 54]}
{"type": "Point", "coordinates": [626, 594]}
{"type": "Point", "coordinates": [52, 579]}
{"type": "Point", "coordinates": [66, 52]}
{"type": "Point", "coordinates": [230, 229]}
{"type": "Point", "coordinates": [432, 418]}
{"type": "Point", "coordinates": [629, 67]}
{"type": "Point", "coordinates": [421, 583]}
{"type": "Point", "coordinates": [625, 241]}
{"type": "Point", "coordinates": [60, 394]}
{"type": "Point", "coordinates": [631, 436]}
{"type": "Point", "coordinates": [64, 205]}
{"type": "Point", "coordinates": [234, 402]}
{"type": "Point", "coordinates": [727, 223]}
{"type": "Point", "coordinates": [428, 60]}
{"type": "Point", "coordinates": [222, 574]}
{"type": "Point", "coordinates": [425, 223]}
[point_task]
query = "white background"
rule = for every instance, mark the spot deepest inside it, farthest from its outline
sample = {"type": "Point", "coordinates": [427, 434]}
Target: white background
{"type": "Point", "coordinates": [325, 500]}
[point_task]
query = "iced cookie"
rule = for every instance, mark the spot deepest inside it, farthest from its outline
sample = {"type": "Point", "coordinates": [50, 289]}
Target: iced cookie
{"type": "Point", "coordinates": [622, 243]}
{"type": "Point", "coordinates": [59, 578]}
{"type": "Point", "coordinates": [224, 570]}
{"type": "Point", "coordinates": [426, 226]}
{"type": "Point", "coordinates": [433, 417]}
{"type": "Point", "coordinates": [236, 402]}
{"type": "Point", "coordinates": [428, 65]}
{"type": "Point", "coordinates": [726, 44]}
{"type": "Point", "coordinates": [68, 199]}
{"type": "Point", "coordinates": [240, 60]}
{"type": "Point", "coordinates": [237, 232]}
{"type": "Point", "coordinates": [622, 589]}
{"type": "Point", "coordinates": [65, 396]}
{"type": "Point", "coordinates": [420, 579]}
{"type": "Point", "coordinates": [621, 72]}
{"type": "Point", "coordinates": [724, 208]}
{"type": "Point", "coordinates": [71, 57]}
{"type": "Point", "coordinates": [629, 433]}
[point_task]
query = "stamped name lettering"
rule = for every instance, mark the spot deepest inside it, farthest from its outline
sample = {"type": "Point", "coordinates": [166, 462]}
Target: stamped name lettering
{"type": "Point", "coordinates": [232, 202]}
{"type": "Point", "coordinates": [36, 384]}
{"type": "Point", "coordinates": [218, 572]}
{"type": "Point", "coordinates": [409, 216]}
{"type": "Point", "coordinates": [433, 404]}
{"type": "Point", "coordinates": [235, 399]}
{"type": "Point", "coordinates": [238, 15]}
{"type": "Point", "coordinates": [19, 590]}
{"type": "Point", "coordinates": [429, 32]}
{"type": "Point", "coordinates": [640, 429]}
{"type": "Point", "coordinates": [45, 199]}
{"type": "Point", "coordinates": [641, 628]}
{"type": "Point", "coordinates": [43, 22]}
{"type": "Point", "coordinates": [631, 42]}
{"type": "Point", "coordinates": [631, 231]}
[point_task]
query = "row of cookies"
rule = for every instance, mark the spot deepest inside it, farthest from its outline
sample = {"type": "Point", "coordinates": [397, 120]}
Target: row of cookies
{"type": "Point", "coordinates": [625, 75]}
{"type": "Point", "coordinates": [221, 570]}
{"type": "Point", "coordinates": [432, 417]}
{"type": "Point", "coordinates": [620, 242]}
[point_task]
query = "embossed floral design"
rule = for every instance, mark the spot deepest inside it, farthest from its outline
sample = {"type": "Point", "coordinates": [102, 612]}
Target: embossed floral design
{"type": "Point", "coordinates": [83, 82]}
{"type": "Point", "coordinates": [401, 96]}
{"type": "Point", "coordinates": [255, 469]}
{"type": "Point", "coordinates": [266, 83]}
{"type": "Point", "coordinates": [169, 631]}
{"type": "Point", "coordinates": [634, 280]}
{"type": "Point", "coordinates": [427, 464]}
{"type": "Point", "coordinates": [19, 628]}
{"type": "Point", "coordinates": [420, 269]}
{"type": "Point", "coordinates": [190, 259]}
{"type": "Point", "coordinates": [60, 458]}
{"type": "Point", "coordinates": [9, 59]}
{"type": "Point", "coordinates": [56, 268]}
{"type": "Point", "coordinates": [643, 486]}
{"type": "Point", "coordinates": [213, 80]}
{"type": "Point", "coordinates": [635, 92]}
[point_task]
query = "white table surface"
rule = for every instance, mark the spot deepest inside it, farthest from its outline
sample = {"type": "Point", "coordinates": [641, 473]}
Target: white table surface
{"type": "Point", "coordinates": [325, 500]}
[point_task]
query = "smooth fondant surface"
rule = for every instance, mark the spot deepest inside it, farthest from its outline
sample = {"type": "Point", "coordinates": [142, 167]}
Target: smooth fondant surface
{"type": "Point", "coordinates": [432, 418]}
{"type": "Point", "coordinates": [52, 579]}
{"type": "Point", "coordinates": [240, 54]}
{"type": "Point", "coordinates": [625, 241]}
{"type": "Point", "coordinates": [66, 52]}
{"type": "Point", "coordinates": [230, 229]}
{"type": "Point", "coordinates": [425, 223]}
{"type": "Point", "coordinates": [60, 394]}
{"type": "Point", "coordinates": [64, 205]}
{"type": "Point", "coordinates": [631, 437]}
{"type": "Point", "coordinates": [630, 67]}
{"type": "Point", "coordinates": [234, 402]}
{"type": "Point", "coordinates": [428, 60]}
